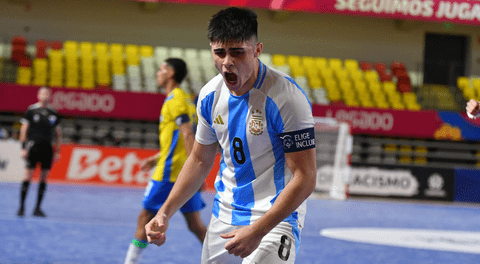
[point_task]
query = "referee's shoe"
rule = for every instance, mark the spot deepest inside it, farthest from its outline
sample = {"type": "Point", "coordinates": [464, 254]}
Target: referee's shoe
{"type": "Point", "coordinates": [39, 213]}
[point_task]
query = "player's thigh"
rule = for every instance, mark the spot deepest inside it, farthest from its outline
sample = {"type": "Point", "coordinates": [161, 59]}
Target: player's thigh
{"type": "Point", "coordinates": [278, 246]}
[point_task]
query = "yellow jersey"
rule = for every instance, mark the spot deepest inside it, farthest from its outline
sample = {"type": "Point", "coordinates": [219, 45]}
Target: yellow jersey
{"type": "Point", "coordinates": [178, 108]}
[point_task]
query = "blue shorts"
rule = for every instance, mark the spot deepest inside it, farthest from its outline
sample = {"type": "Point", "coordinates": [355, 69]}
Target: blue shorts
{"type": "Point", "coordinates": [157, 192]}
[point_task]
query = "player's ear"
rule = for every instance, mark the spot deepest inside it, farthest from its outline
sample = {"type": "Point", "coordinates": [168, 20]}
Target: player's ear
{"type": "Point", "coordinates": [258, 49]}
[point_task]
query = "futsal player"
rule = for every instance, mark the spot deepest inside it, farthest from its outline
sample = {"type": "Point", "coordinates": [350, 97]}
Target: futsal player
{"type": "Point", "coordinates": [177, 120]}
{"type": "Point", "coordinates": [39, 131]}
{"type": "Point", "coordinates": [263, 122]}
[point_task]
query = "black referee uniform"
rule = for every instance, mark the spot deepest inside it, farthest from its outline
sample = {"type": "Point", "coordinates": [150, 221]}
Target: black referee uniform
{"type": "Point", "coordinates": [42, 123]}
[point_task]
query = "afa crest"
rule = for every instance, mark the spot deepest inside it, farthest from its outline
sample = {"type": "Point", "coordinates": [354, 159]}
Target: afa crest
{"type": "Point", "coordinates": [256, 123]}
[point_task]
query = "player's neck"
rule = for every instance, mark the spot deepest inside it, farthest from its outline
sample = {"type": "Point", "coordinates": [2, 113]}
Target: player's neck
{"type": "Point", "coordinates": [170, 86]}
{"type": "Point", "coordinates": [42, 105]}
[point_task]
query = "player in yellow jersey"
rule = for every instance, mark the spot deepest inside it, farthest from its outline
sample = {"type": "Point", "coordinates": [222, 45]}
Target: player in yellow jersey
{"type": "Point", "coordinates": [177, 122]}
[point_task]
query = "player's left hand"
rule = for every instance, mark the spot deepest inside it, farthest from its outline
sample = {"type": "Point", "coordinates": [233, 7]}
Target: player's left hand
{"type": "Point", "coordinates": [243, 241]}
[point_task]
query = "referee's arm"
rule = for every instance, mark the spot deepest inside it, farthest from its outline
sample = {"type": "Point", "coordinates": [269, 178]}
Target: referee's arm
{"type": "Point", "coordinates": [59, 141]}
{"type": "Point", "coordinates": [23, 138]}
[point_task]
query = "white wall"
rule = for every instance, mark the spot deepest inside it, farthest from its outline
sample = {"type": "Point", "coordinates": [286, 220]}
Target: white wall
{"type": "Point", "coordinates": [181, 25]}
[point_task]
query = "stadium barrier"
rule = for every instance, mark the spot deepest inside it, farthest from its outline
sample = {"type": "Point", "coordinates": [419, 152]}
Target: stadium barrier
{"type": "Point", "coordinates": [401, 181]}
{"type": "Point", "coordinates": [88, 165]}
{"type": "Point", "coordinates": [120, 167]}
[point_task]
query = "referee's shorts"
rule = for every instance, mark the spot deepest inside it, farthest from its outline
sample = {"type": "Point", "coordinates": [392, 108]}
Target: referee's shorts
{"type": "Point", "coordinates": [40, 153]}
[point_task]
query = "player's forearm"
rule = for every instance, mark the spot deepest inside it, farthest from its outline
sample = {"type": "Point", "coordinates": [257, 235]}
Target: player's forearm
{"type": "Point", "coordinates": [58, 143]}
{"type": "Point", "coordinates": [188, 182]}
{"type": "Point", "coordinates": [23, 133]}
{"type": "Point", "coordinates": [188, 141]}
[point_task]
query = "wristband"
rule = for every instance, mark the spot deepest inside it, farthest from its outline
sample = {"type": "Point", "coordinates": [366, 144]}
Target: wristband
{"type": "Point", "coordinates": [139, 243]}
{"type": "Point", "coordinates": [24, 145]}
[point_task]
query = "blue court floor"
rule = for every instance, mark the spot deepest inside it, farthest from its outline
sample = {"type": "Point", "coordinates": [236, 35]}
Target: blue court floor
{"type": "Point", "coordinates": [88, 224]}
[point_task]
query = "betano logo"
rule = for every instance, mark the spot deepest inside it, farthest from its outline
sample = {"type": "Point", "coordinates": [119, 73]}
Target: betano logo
{"type": "Point", "coordinates": [441, 240]}
{"type": "Point", "coordinates": [89, 163]}
{"type": "Point", "coordinates": [218, 120]}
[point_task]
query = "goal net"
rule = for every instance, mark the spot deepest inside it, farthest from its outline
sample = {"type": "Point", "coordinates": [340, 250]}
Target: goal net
{"type": "Point", "coordinates": [333, 142]}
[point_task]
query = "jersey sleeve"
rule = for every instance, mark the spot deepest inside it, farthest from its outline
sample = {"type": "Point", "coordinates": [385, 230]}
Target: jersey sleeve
{"type": "Point", "coordinates": [27, 117]}
{"type": "Point", "coordinates": [179, 110]}
{"type": "Point", "coordinates": [205, 134]}
{"type": "Point", "coordinates": [297, 118]}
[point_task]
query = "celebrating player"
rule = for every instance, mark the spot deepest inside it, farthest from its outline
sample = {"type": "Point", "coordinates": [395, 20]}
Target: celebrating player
{"type": "Point", "coordinates": [263, 122]}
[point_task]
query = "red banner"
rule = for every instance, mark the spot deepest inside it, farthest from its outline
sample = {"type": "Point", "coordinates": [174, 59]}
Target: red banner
{"type": "Point", "coordinates": [456, 11]}
{"type": "Point", "coordinates": [98, 103]}
{"type": "Point", "coordinates": [418, 124]}
{"type": "Point", "coordinates": [109, 166]}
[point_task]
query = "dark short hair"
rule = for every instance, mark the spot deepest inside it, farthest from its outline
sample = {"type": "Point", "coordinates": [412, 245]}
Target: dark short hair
{"type": "Point", "coordinates": [179, 67]}
{"type": "Point", "coordinates": [238, 24]}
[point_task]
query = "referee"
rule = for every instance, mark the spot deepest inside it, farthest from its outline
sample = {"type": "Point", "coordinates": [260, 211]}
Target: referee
{"type": "Point", "coordinates": [39, 127]}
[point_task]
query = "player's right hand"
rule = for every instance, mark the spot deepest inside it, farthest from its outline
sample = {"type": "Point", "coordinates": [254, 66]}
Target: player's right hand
{"type": "Point", "coordinates": [473, 107]}
{"type": "Point", "coordinates": [156, 229]}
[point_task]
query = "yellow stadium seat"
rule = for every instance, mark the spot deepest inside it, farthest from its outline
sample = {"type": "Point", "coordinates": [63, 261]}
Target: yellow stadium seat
{"type": "Point", "coordinates": [341, 74]}
{"type": "Point", "coordinates": [405, 159]}
{"type": "Point", "coordinates": [56, 68]}
{"type": "Point", "coordinates": [308, 62]}
{"type": "Point", "coordinates": [146, 51]}
{"type": "Point", "coordinates": [315, 83]}
{"type": "Point", "coordinates": [40, 72]}
{"type": "Point", "coordinates": [360, 85]}
{"type": "Point", "coordinates": [101, 48]}
{"type": "Point", "coordinates": [390, 148]}
{"type": "Point", "coordinates": [351, 65]}
{"type": "Point", "coordinates": [279, 60]}
{"type": "Point", "coordinates": [321, 63]}
{"type": "Point", "coordinates": [420, 160]}
{"type": "Point", "coordinates": [293, 61]}
{"type": "Point", "coordinates": [345, 85]}
{"type": "Point", "coordinates": [372, 76]}
{"type": "Point", "coordinates": [312, 72]}
{"type": "Point", "coordinates": [335, 63]}
{"type": "Point", "coordinates": [24, 75]}
{"type": "Point", "coordinates": [326, 73]}
{"type": "Point", "coordinates": [352, 102]}
{"type": "Point", "coordinates": [86, 49]}
{"type": "Point", "coordinates": [389, 87]}
{"type": "Point", "coordinates": [297, 71]}
{"type": "Point", "coordinates": [356, 75]}
{"type": "Point", "coordinates": [131, 53]}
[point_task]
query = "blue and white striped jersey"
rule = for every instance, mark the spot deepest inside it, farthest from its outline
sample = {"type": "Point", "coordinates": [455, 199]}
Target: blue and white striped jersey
{"type": "Point", "coordinates": [254, 131]}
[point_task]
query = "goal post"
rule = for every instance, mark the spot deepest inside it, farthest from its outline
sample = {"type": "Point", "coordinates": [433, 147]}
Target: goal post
{"type": "Point", "coordinates": [333, 142]}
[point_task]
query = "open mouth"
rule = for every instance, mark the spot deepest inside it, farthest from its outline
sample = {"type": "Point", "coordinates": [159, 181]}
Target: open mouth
{"type": "Point", "coordinates": [231, 78]}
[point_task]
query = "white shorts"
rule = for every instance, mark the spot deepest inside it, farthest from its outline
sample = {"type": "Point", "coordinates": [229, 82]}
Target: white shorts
{"type": "Point", "coordinates": [278, 246]}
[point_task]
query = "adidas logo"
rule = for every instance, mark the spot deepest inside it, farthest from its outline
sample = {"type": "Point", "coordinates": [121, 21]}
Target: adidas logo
{"type": "Point", "coordinates": [218, 120]}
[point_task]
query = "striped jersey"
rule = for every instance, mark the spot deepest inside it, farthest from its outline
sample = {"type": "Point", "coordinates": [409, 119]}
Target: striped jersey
{"type": "Point", "coordinates": [254, 131]}
{"type": "Point", "coordinates": [177, 109]}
